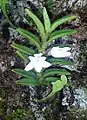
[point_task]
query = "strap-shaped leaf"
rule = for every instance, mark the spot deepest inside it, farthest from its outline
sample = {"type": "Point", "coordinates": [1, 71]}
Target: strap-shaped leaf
{"type": "Point", "coordinates": [47, 22]}
{"type": "Point", "coordinates": [57, 86]}
{"type": "Point", "coordinates": [49, 80]}
{"type": "Point", "coordinates": [37, 22]}
{"type": "Point", "coordinates": [59, 61]}
{"type": "Point", "coordinates": [63, 32]}
{"type": "Point", "coordinates": [23, 56]}
{"type": "Point", "coordinates": [24, 73]}
{"type": "Point", "coordinates": [3, 7]}
{"type": "Point", "coordinates": [50, 4]}
{"type": "Point", "coordinates": [51, 72]}
{"type": "Point", "coordinates": [30, 81]}
{"type": "Point", "coordinates": [33, 38]}
{"type": "Point", "coordinates": [23, 49]}
{"type": "Point", "coordinates": [61, 21]}
{"type": "Point", "coordinates": [60, 33]}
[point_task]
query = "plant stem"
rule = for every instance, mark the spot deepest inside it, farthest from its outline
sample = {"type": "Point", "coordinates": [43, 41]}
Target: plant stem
{"type": "Point", "coordinates": [39, 75]}
{"type": "Point", "coordinates": [44, 43]}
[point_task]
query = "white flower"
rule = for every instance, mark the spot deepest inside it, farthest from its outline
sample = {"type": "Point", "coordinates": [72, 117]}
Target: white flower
{"type": "Point", "coordinates": [60, 52]}
{"type": "Point", "coordinates": [37, 62]}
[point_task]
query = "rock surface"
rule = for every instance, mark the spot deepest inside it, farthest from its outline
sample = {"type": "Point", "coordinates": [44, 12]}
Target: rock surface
{"type": "Point", "coordinates": [69, 104]}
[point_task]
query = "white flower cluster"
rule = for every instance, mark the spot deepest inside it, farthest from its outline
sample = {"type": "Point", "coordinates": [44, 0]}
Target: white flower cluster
{"type": "Point", "coordinates": [38, 61]}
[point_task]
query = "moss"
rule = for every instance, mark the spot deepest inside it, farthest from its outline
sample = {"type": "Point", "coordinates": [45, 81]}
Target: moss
{"type": "Point", "coordinates": [20, 114]}
{"type": "Point", "coordinates": [1, 107]}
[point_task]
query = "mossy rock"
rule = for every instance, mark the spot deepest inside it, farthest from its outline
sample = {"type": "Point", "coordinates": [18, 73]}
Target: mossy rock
{"type": "Point", "coordinates": [20, 114]}
{"type": "Point", "coordinates": [77, 115]}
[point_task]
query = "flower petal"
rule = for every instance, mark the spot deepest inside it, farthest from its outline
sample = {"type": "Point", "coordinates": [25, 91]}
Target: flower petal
{"type": "Point", "coordinates": [61, 54]}
{"type": "Point", "coordinates": [38, 55]}
{"type": "Point", "coordinates": [42, 58]}
{"type": "Point", "coordinates": [29, 67]}
{"type": "Point", "coordinates": [46, 64]}
{"type": "Point", "coordinates": [38, 68]}
{"type": "Point", "coordinates": [31, 58]}
{"type": "Point", "coordinates": [66, 48]}
{"type": "Point", "coordinates": [55, 49]}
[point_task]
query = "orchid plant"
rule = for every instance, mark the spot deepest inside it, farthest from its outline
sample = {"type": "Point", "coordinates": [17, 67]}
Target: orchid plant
{"type": "Point", "coordinates": [43, 64]}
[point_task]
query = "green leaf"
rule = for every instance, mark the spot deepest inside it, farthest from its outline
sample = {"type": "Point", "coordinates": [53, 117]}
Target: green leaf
{"type": "Point", "coordinates": [23, 49]}
{"type": "Point", "coordinates": [57, 86]}
{"type": "Point", "coordinates": [30, 81]}
{"type": "Point", "coordinates": [61, 21]}
{"type": "Point", "coordinates": [60, 33]}
{"type": "Point", "coordinates": [37, 22]}
{"type": "Point", "coordinates": [33, 38]}
{"type": "Point", "coordinates": [64, 79]}
{"type": "Point", "coordinates": [63, 32]}
{"type": "Point", "coordinates": [3, 7]}
{"type": "Point", "coordinates": [47, 22]}
{"type": "Point", "coordinates": [24, 73]}
{"type": "Point", "coordinates": [49, 80]}
{"type": "Point", "coordinates": [50, 4]}
{"type": "Point", "coordinates": [51, 72]}
{"type": "Point", "coordinates": [59, 61]}
{"type": "Point", "coordinates": [23, 56]}
{"type": "Point", "coordinates": [0, 3]}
